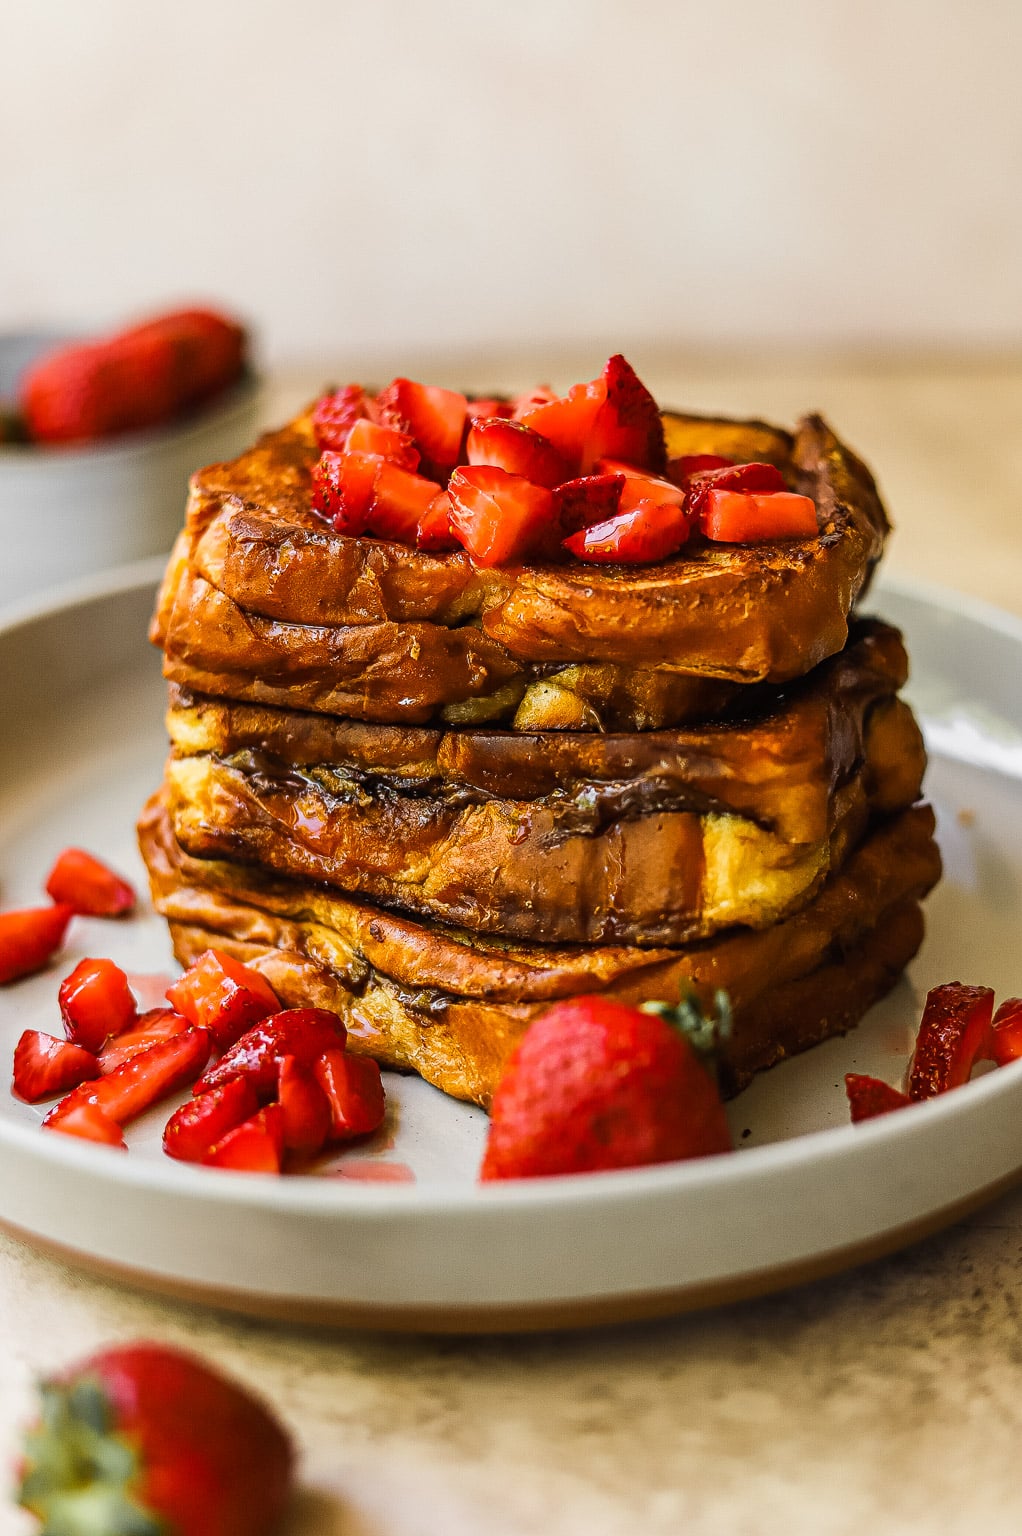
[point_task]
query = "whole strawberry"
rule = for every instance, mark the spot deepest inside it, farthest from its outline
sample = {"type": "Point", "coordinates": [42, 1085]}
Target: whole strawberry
{"type": "Point", "coordinates": [595, 1085]}
{"type": "Point", "coordinates": [142, 1440]}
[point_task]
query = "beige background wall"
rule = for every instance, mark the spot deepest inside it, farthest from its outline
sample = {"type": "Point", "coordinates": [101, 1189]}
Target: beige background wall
{"type": "Point", "coordinates": [387, 177]}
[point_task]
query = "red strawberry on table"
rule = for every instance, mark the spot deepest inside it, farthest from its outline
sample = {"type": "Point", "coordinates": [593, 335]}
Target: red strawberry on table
{"type": "Point", "coordinates": [148, 1440]}
{"type": "Point", "coordinates": [29, 937]}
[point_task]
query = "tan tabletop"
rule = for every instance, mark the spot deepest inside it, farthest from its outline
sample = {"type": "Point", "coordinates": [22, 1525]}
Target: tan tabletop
{"type": "Point", "coordinates": [888, 1400]}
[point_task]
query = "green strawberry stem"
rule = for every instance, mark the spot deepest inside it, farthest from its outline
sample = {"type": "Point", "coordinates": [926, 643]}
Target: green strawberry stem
{"type": "Point", "coordinates": [705, 1031]}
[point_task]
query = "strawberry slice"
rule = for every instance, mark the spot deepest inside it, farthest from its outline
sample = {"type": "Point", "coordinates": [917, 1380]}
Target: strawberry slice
{"type": "Point", "coordinates": [29, 937]}
{"type": "Point", "coordinates": [531, 400]}
{"type": "Point", "coordinates": [647, 531]}
{"type": "Point", "coordinates": [396, 447]}
{"type": "Point", "coordinates": [88, 886]}
{"type": "Point", "coordinates": [193, 1130]}
{"type": "Point", "coordinates": [155, 1025]}
{"type": "Point", "coordinates": [90, 1123]}
{"type": "Point", "coordinates": [354, 1089]}
{"type": "Point", "coordinates": [954, 1033]}
{"type": "Point", "coordinates": [399, 501]}
{"type": "Point", "coordinates": [335, 414]}
{"type": "Point", "coordinates": [434, 417]}
{"type": "Point", "coordinates": [587, 500]}
{"type": "Point", "coordinates": [627, 425]}
{"type": "Point", "coordinates": [95, 1003]}
{"type": "Point", "coordinates": [754, 477]}
{"type": "Point", "coordinates": [45, 1067]}
{"type": "Point", "coordinates": [342, 489]}
{"type": "Point", "coordinates": [305, 1107]}
{"type": "Point", "coordinates": [869, 1097]}
{"type": "Point", "coordinates": [481, 407]}
{"type": "Point", "coordinates": [304, 1033]}
{"type": "Point", "coordinates": [220, 994]}
{"type": "Point", "coordinates": [681, 470]}
{"type": "Point", "coordinates": [740, 517]}
{"type": "Point", "coordinates": [255, 1146]}
{"type": "Point", "coordinates": [143, 1079]}
{"type": "Point", "coordinates": [567, 421]}
{"type": "Point", "coordinates": [1006, 1034]}
{"type": "Point", "coordinates": [661, 493]}
{"type": "Point", "coordinates": [434, 530]}
{"type": "Point", "coordinates": [498, 517]}
{"type": "Point", "coordinates": [512, 446]}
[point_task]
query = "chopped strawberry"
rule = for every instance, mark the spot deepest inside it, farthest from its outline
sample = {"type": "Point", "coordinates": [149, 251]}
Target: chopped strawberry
{"type": "Point", "coordinates": [193, 1130]}
{"type": "Point", "coordinates": [397, 447]}
{"type": "Point", "coordinates": [45, 1067]}
{"type": "Point", "coordinates": [650, 488]}
{"type": "Point", "coordinates": [304, 1033]}
{"type": "Point", "coordinates": [627, 425]}
{"type": "Point", "coordinates": [354, 1089]}
{"type": "Point", "coordinates": [91, 1123]}
{"type": "Point", "coordinates": [342, 489]}
{"type": "Point", "coordinates": [587, 500]}
{"type": "Point", "coordinates": [482, 407]}
{"type": "Point", "coordinates": [869, 1097]}
{"type": "Point", "coordinates": [647, 531]}
{"type": "Point", "coordinates": [95, 1003]}
{"type": "Point", "coordinates": [954, 1033]}
{"type": "Point", "coordinates": [143, 1079]}
{"type": "Point", "coordinates": [399, 500]}
{"type": "Point", "coordinates": [152, 1026]}
{"type": "Point", "coordinates": [499, 518]}
{"type": "Point", "coordinates": [681, 470]}
{"type": "Point", "coordinates": [1006, 1034]}
{"type": "Point", "coordinates": [740, 517]}
{"type": "Point", "coordinates": [335, 414]}
{"type": "Point", "coordinates": [531, 400]}
{"type": "Point", "coordinates": [754, 477]}
{"type": "Point", "coordinates": [306, 1109]}
{"type": "Point", "coordinates": [255, 1146]}
{"type": "Point", "coordinates": [88, 886]}
{"type": "Point", "coordinates": [434, 417]}
{"type": "Point", "coordinates": [29, 937]}
{"type": "Point", "coordinates": [567, 421]}
{"type": "Point", "coordinates": [512, 446]}
{"type": "Point", "coordinates": [434, 530]}
{"type": "Point", "coordinates": [223, 996]}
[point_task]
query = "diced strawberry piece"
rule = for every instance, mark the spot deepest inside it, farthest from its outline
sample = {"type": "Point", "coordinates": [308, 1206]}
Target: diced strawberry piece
{"type": "Point", "coordinates": [396, 447]}
{"type": "Point", "coordinates": [399, 500]}
{"type": "Point", "coordinates": [650, 488]}
{"type": "Point", "coordinates": [334, 415]}
{"type": "Point", "coordinates": [521, 405]}
{"type": "Point", "coordinates": [739, 517]}
{"type": "Point", "coordinates": [45, 1067]}
{"type": "Point", "coordinates": [482, 407]}
{"type": "Point", "coordinates": [304, 1033]}
{"type": "Point", "coordinates": [157, 1024]}
{"type": "Point", "coordinates": [499, 518]}
{"type": "Point", "coordinates": [1006, 1034]}
{"type": "Point", "coordinates": [90, 1123]}
{"type": "Point", "coordinates": [954, 1033]}
{"type": "Point", "coordinates": [29, 937]}
{"type": "Point", "coordinates": [869, 1097]}
{"type": "Point", "coordinates": [435, 417]}
{"type": "Point", "coordinates": [342, 489]}
{"type": "Point", "coordinates": [434, 530]}
{"type": "Point", "coordinates": [255, 1146]}
{"type": "Point", "coordinates": [95, 1003]}
{"type": "Point", "coordinates": [648, 531]}
{"type": "Point", "coordinates": [306, 1109]}
{"type": "Point", "coordinates": [754, 477]}
{"type": "Point", "coordinates": [567, 421]}
{"type": "Point", "coordinates": [590, 499]}
{"type": "Point", "coordinates": [193, 1130]}
{"type": "Point", "coordinates": [222, 995]}
{"type": "Point", "coordinates": [89, 887]}
{"type": "Point", "coordinates": [512, 446]}
{"type": "Point", "coordinates": [143, 1079]}
{"type": "Point", "coordinates": [627, 425]}
{"type": "Point", "coordinates": [354, 1089]}
{"type": "Point", "coordinates": [681, 470]}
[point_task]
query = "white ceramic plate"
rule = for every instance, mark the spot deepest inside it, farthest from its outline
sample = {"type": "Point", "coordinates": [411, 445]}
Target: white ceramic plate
{"type": "Point", "coordinates": [396, 1233]}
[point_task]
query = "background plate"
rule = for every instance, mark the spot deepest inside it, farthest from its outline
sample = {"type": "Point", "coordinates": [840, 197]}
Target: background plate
{"type": "Point", "coordinates": [395, 1233]}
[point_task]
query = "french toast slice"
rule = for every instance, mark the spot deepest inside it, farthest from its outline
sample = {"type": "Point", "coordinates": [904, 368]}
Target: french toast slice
{"type": "Point", "coordinates": [451, 1005]}
{"type": "Point", "coordinates": [682, 834]}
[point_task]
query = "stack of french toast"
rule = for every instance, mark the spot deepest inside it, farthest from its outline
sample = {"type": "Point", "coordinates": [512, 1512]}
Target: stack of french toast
{"type": "Point", "coordinates": [450, 743]}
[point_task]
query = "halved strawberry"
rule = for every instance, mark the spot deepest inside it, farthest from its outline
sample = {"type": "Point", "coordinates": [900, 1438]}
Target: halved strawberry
{"type": "Point", "coordinates": [354, 1089]}
{"type": "Point", "coordinates": [647, 531]}
{"type": "Point", "coordinates": [305, 1107]}
{"type": "Point", "coordinates": [223, 995]}
{"type": "Point", "coordinates": [497, 517]}
{"type": "Point", "coordinates": [399, 501]}
{"type": "Point", "coordinates": [193, 1130]}
{"type": "Point", "coordinates": [95, 1003]}
{"type": "Point", "coordinates": [154, 1025]}
{"type": "Point", "coordinates": [589, 499]}
{"type": "Point", "coordinates": [304, 1033]}
{"type": "Point", "coordinates": [869, 1097]}
{"type": "Point", "coordinates": [335, 414]}
{"type": "Point", "coordinates": [1006, 1034]}
{"type": "Point", "coordinates": [89, 886]}
{"type": "Point", "coordinates": [342, 489]}
{"type": "Point", "coordinates": [754, 477]}
{"type": "Point", "coordinates": [627, 425]}
{"type": "Point", "coordinates": [29, 937]}
{"type": "Point", "coordinates": [515, 447]}
{"type": "Point", "coordinates": [740, 517]}
{"type": "Point", "coordinates": [954, 1033]}
{"type": "Point", "coordinates": [397, 447]}
{"type": "Point", "coordinates": [91, 1123]}
{"type": "Point", "coordinates": [434, 530]}
{"type": "Point", "coordinates": [143, 1079]}
{"type": "Point", "coordinates": [255, 1146]}
{"type": "Point", "coordinates": [567, 421]}
{"type": "Point", "coordinates": [45, 1066]}
{"type": "Point", "coordinates": [435, 417]}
